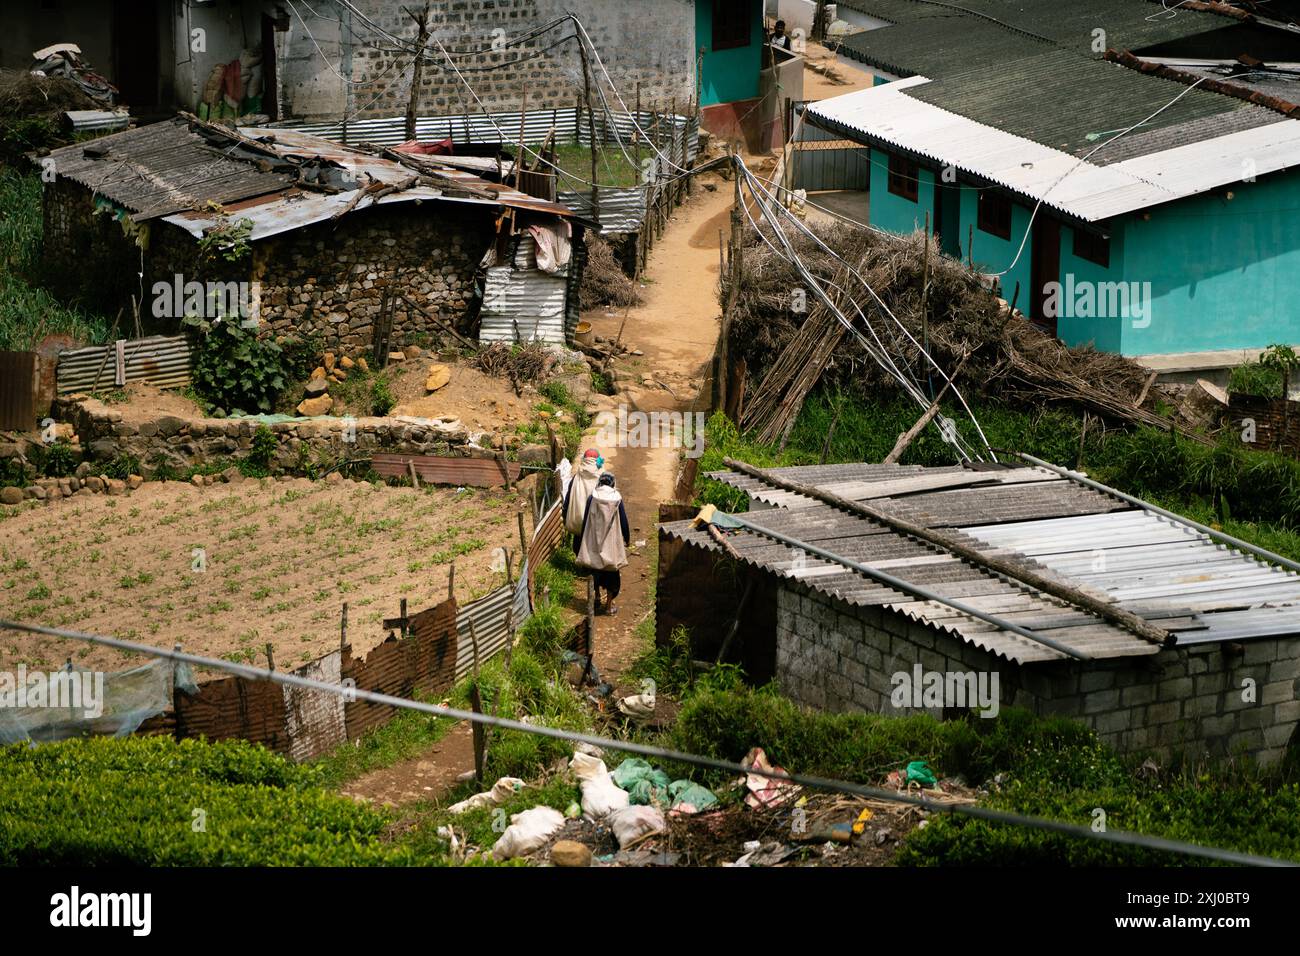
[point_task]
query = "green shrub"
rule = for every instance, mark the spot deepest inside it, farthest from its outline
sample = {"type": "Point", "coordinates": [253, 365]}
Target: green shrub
{"type": "Point", "coordinates": [131, 802]}
{"type": "Point", "coordinates": [382, 399]}
{"type": "Point", "coordinates": [123, 467]}
{"type": "Point", "coordinates": [261, 451]}
{"type": "Point", "coordinates": [233, 368]}
{"type": "Point", "coordinates": [56, 460]}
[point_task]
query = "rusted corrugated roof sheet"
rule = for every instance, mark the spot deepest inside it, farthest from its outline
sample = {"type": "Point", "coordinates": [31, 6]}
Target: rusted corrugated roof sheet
{"type": "Point", "coordinates": [1170, 574]}
{"type": "Point", "coordinates": [176, 168]}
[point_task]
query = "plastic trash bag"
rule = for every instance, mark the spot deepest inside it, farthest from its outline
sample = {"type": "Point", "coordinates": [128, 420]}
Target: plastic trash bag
{"type": "Point", "coordinates": [633, 823]}
{"type": "Point", "coordinates": [600, 795]}
{"type": "Point", "coordinates": [528, 832]}
{"type": "Point", "coordinates": [644, 784]}
{"type": "Point", "coordinates": [690, 797]}
{"type": "Point", "coordinates": [502, 789]}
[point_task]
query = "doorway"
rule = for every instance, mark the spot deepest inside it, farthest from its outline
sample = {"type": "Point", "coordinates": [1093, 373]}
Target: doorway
{"type": "Point", "coordinates": [1045, 267]}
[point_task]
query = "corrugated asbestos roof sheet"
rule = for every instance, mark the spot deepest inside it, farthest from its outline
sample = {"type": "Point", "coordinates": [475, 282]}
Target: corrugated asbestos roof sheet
{"type": "Point", "coordinates": [1029, 67]}
{"type": "Point", "coordinates": [162, 168]}
{"type": "Point", "coordinates": [174, 168]}
{"type": "Point", "coordinates": [891, 114]}
{"type": "Point", "coordinates": [1171, 575]}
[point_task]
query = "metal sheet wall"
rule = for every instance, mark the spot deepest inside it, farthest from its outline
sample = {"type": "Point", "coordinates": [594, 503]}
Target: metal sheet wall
{"type": "Point", "coordinates": [160, 360]}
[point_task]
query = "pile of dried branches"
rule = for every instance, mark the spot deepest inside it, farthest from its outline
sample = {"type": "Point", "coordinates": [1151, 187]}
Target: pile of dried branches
{"type": "Point", "coordinates": [519, 363]}
{"type": "Point", "coordinates": [1006, 355]}
{"type": "Point", "coordinates": [603, 280]}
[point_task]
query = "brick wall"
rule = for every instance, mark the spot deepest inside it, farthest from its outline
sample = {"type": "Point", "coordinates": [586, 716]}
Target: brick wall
{"type": "Point", "coordinates": [1189, 700]}
{"type": "Point", "coordinates": [648, 42]}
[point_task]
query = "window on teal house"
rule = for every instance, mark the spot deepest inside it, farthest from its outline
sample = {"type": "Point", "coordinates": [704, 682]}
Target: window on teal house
{"type": "Point", "coordinates": [1093, 247]}
{"type": "Point", "coordinates": [902, 177]}
{"type": "Point", "coordinates": [732, 24]}
{"type": "Point", "coordinates": [994, 215]}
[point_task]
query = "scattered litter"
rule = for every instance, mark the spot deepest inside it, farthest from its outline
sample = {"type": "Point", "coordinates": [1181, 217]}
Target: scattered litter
{"type": "Point", "coordinates": [758, 854]}
{"type": "Point", "coordinates": [573, 811]}
{"type": "Point", "coordinates": [916, 773]}
{"type": "Point", "coordinates": [528, 832]}
{"type": "Point", "coordinates": [644, 784]}
{"type": "Point", "coordinates": [502, 789]}
{"type": "Point", "coordinates": [690, 797]}
{"type": "Point", "coordinates": [764, 791]}
{"type": "Point", "coordinates": [632, 824]}
{"type": "Point", "coordinates": [863, 817]}
{"type": "Point", "coordinates": [639, 707]}
{"type": "Point", "coordinates": [600, 795]}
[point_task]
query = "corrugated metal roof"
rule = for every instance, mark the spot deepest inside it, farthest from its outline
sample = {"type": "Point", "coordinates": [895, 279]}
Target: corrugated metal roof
{"type": "Point", "coordinates": [890, 115]}
{"type": "Point", "coordinates": [165, 167]}
{"type": "Point", "coordinates": [1169, 574]}
{"type": "Point", "coordinates": [985, 55]}
{"type": "Point", "coordinates": [1143, 560]}
{"type": "Point", "coordinates": [175, 168]}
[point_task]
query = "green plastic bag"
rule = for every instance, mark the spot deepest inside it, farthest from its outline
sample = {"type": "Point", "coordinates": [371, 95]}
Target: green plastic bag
{"type": "Point", "coordinates": [684, 791]}
{"type": "Point", "coordinates": [918, 771]}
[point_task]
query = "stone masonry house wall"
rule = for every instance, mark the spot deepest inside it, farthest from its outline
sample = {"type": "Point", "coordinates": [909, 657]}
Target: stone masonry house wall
{"type": "Point", "coordinates": [325, 280]}
{"type": "Point", "coordinates": [650, 42]}
{"type": "Point", "coordinates": [841, 657]}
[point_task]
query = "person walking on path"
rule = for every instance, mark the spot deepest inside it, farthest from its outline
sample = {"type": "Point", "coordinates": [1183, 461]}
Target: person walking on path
{"type": "Point", "coordinates": [581, 485]}
{"type": "Point", "coordinates": [603, 540]}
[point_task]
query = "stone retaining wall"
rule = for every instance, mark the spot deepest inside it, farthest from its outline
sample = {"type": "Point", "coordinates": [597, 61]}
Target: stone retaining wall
{"type": "Point", "coordinates": [181, 444]}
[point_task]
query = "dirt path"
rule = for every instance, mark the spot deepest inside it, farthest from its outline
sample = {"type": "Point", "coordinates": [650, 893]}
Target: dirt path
{"type": "Point", "coordinates": [423, 778]}
{"type": "Point", "coordinates": [676, 328]}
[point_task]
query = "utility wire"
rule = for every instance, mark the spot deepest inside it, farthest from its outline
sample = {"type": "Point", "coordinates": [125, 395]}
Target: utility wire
{"type": "Point", "coordinates": [1119, 837]}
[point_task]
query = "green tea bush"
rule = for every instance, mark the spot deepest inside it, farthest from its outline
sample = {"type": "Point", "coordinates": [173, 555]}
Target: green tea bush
{"type": "Point", "coordinates": [133, 801]}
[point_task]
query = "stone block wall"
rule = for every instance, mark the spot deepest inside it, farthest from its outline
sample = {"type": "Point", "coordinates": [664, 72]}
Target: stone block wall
{"type": "Point", "coordinates": [328, 279]}
{"type": "Point", "coordinates": [182, 444]}
{"type": "Point", "coordinates": [650, 42]}
{"type": "Point", "coordinates": [324, 280]}
{"type": "Point", "coordinates": [1213, 700]}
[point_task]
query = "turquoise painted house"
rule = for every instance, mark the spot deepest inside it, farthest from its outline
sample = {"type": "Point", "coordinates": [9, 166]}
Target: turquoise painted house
{"type": "Point", "coordinates": [1177, 237]}
{"type": "Point", "coordinates": [729, 47]}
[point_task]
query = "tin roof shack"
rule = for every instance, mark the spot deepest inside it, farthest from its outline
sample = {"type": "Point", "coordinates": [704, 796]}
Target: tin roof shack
{"type": "Point", "coordinates": [840, 605]}
{"type": "Point", "coordinates": [317, 232]}
{"type": "Point", "coordinates": [1172, 241]}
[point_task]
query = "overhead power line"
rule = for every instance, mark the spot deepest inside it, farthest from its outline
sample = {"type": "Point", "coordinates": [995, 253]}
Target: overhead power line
{"type": "Point", "coordinates": [1118, 837]}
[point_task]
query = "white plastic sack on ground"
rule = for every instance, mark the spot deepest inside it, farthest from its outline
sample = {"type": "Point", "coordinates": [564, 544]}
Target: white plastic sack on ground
{"type": "Point", "coordinates": [600, 795]}
{"type": "Point", "coordinates": [489, 798]}
{"type": "Point", "coordinates": [632, 823]}
{"type": "Point", "coordinates": [528, 831]}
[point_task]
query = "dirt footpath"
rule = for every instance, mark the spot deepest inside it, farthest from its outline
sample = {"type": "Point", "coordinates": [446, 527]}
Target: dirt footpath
{"type": "Point", "coordinates": [676, 327]}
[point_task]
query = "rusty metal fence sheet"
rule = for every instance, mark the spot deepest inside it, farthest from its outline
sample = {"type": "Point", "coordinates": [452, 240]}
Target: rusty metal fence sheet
{"type": "Point", "coordinates": [18, 384]}
{"type": "Point", "coordinates": [492, 625]}
{"type": "Point", "coordinates": [161, 360]}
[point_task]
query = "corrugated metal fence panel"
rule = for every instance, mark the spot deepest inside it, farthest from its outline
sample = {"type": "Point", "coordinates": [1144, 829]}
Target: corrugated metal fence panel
{"type": "Point", "coordinates": [502, 127]}
{"type": "Point", "coordinates": [621, 210]}
{"type": "Point", "coordinates": [314, 718]}
{"type": "Point", "coordinates": [522, 305]}
{"type": "Point", "coordinates": [815, 169]}
{"type": "Point", "coordinates": [18, 384]}
{"type": "Point", "coordinates": [491, 630]}
{"type": "Point", "coordinates": [160, 360]}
